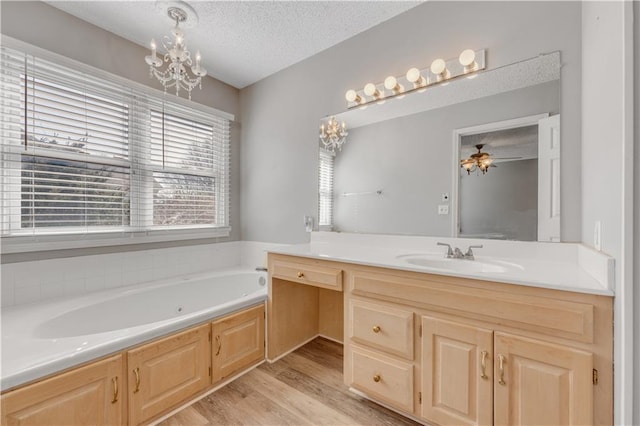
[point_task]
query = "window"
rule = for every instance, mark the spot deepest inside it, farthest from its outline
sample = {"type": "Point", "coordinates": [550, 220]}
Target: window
{"type": "Point", "coordinates": [87, 154]}
{"type": "Point", "coordinates": [325, 193]}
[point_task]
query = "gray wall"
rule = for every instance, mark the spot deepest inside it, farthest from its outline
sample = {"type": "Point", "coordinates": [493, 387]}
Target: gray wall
{"type": "Point", "coordinates": [46, 27]}
{"type": "Point", "coordinates": [502, 202]}
{"type": "Point", "coordinates": [636, 245]}
{"type": "Point", "coordinates": [281, 113]}
{"type": "Point", "coordinates": [411, 160]}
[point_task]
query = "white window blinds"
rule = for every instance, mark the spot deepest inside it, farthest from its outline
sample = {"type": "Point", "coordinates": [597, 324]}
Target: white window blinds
{"type": "Point", "coordinates": [82, 154]}
{"type": "Point", "coordinates": [325, 193]}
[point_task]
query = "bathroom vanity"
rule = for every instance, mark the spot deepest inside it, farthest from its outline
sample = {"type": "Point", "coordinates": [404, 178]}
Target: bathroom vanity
{"type": "Point", "coordinates": [444, 347]}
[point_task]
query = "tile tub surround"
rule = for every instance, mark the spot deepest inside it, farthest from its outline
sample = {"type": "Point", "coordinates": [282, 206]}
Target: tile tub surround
{"type": "Point", "coordinates": [35, 281]}
{"type": "Point", "coordinates": [562, 266]}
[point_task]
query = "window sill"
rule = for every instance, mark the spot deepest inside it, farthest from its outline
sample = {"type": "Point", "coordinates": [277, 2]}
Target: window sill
{"type": "Point", "coordinates": [33, 243]}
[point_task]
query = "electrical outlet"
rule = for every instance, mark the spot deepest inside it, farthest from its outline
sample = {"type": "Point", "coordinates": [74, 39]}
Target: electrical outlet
{"type": "Point", "coordinates": [445, 197]}
{"type": "Point", "coordinates": [443, 209]}
{"type": "Point", "coordinates": [597, 235]}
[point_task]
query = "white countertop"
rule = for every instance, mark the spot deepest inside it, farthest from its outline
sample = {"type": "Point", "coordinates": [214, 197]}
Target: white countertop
{"type": "Point", "coordinates": [569, 267]}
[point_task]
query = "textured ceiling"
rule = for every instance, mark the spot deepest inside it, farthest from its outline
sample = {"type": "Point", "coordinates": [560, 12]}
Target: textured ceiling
{"type": "Point", "coordinates": [243, 41]}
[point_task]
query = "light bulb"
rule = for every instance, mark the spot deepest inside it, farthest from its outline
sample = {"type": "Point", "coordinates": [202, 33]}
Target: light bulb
{"type": "Point", "coordinates": [413, 75]}
{"type": "Point", "coordinates": [467, 57]}
{"type": "Point", "coordinates": [352, 96]}
{"type": "Point", "coordinates": [370, 89]}
{"type": "Point", "coordinates": [438, 66]}
{"type": "Point", "coordinates": [390, 82]}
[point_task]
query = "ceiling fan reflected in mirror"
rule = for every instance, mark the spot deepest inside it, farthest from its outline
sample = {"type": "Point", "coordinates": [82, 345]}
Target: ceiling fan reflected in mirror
{"type": "Point", "coordinates": [481, 161]}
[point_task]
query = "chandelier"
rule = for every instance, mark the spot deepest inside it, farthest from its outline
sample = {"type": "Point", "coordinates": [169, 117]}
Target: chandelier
{"type": "Point", "coordinates": [333, 135]}
{"type": "Point", "coordinates": [478, 161]}
{"type": "Point", "coordinates": [177, 57]}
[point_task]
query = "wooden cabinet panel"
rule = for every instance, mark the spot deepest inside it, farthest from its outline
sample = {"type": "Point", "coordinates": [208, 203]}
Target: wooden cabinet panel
{"type": "Point", "coordinates": [383, 327]}
{"type": "Point", "coordinates": [238, 342]}
{"type": "Point", "coordinates": [388, 379]}
{"type": "Point", "coordinates": [167, 372]}
{"type": "Point", "coordinates": [545, 315]}
{"type": "Point", "coordinates": [539, 383]}
{"type": "Point", "coordinates": [457, 376]}
{"type": "Point", "coordinates": [90, 395]}
{"type": "Point", "coordinates": [307, 273]}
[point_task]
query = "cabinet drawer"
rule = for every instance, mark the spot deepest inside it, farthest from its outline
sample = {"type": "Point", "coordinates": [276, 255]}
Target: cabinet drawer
{"type": "Point", "coordinates": [382, 377]}
{"type": "Point", "coordinates": [383, 327]}
{"type": "Point", "coordinates": [310, 274]}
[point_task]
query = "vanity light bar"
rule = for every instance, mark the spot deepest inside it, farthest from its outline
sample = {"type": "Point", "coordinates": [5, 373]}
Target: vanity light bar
{"type": "Point", "coordinates": [439, 72]}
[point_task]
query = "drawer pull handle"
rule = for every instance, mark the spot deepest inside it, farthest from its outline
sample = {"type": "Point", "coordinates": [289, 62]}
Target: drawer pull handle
{"type": "Point", "coordinates": [376, 329]}
{"type": "Point", "coordinates": [484, 365]}
{"type": "Point", "coordinates": [376, 378]}
{"type": "Point", "coordinates": [136, 371]}
{"type": "Point", "coordinates": [114, 381]}
{"type": "Point", "coordinates": [300, 275]}
{"type": "Point", "coordinates": [501, 359]}
{"type": "Point", "coordinates": [219, 342]}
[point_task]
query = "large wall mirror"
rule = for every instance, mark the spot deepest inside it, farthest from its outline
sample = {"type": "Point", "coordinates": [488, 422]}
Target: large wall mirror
{"type": "Point", "coordinates": [399, 171]}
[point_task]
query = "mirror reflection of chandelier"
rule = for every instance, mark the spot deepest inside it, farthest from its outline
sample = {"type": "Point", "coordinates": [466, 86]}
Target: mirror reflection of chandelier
{"type": "Point", "coordinates": [178, 57]}
{"type": "Point", "coordinates": [477, 161]}
{"type": "Point", "coordinates": [334, 135]}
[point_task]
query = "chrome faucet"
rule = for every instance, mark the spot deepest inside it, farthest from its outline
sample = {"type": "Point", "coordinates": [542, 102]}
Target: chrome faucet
{"type": "Point", "coordinates": [449, 254]}
{"type": "Point", "coordinates": [452, 253]}
{"type": "Point", "coordinates": [456, 253]}
{"type": "Point", "coordinates": [469, 253]}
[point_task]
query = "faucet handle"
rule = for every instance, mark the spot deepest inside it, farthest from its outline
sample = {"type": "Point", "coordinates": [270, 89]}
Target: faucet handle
{"type": "Point", "coordinates": [469, 252]}
{"type": "Point", "coordinates": [449, 250]}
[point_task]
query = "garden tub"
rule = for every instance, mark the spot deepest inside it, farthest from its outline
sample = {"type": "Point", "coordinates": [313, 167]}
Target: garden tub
{"type": "Point", "coordinates": [43, 338]}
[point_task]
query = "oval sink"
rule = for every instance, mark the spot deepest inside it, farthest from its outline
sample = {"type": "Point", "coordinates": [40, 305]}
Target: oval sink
{"type": "Point", "coordinates": [459, 265]}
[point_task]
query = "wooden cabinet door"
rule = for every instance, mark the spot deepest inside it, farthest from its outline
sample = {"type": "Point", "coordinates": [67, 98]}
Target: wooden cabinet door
{"type": "Point", "coordinates": [456, 373]}
{"type": "Point", "coordinates": [238, 341]}
{"type": "Point", "coordinates": [89, 395]}
{"type": "Point", "coordinates": [165, 373]}
{"type": "Point", "coordinates": [539, 383]}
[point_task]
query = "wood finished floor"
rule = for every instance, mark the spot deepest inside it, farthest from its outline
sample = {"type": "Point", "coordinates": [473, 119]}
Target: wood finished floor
{"type": "Point", "coordinates": [303, 388]}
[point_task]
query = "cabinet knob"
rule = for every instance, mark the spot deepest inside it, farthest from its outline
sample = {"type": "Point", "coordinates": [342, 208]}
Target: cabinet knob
{"type": "Point", "coordinates": [376, 378]}
{"type": "Point", "coordinates": [300, 275]}
{"type": "Point", "coordinates": [376, 329]}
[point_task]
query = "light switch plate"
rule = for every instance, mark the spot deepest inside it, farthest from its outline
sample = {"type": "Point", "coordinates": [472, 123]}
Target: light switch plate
{"type": "Point", "coordinates": [443, 209]}
{"type": "Point", "coordinates": [597, 235]}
